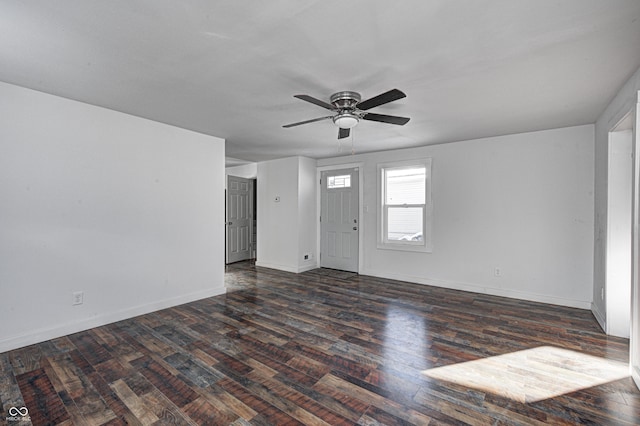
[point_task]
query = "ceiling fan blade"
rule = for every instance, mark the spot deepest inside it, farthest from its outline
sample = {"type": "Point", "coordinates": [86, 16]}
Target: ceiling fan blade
{"type": "Point", "coordinates": [343, 133]}
{"type": "Point", "coordinates": [315, 101]}
{"type": "Point", "coordinates": [391, 119]}
{"type": "Point", "coordinates": [384, 98]}
{"type": "Point", "coordinates": [307, 121]}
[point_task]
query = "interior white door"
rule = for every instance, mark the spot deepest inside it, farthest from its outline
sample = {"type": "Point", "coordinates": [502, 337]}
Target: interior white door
{"type": "Point", "coordinates": [238, 219]}
{"type": "Point", "coordinates": [339, 219]}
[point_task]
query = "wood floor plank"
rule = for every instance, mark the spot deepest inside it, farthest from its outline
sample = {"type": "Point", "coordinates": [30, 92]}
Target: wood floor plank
{"type": "Point", "coordinates": [25, 359]}
{"type": "Point", "coordinates": [72, 372]}
{"type": "Point", "coordinates": [135, 404]}
{"type": "Point", "coordinates": [219, 395]}
{"type": "Point", "coordinates": [44, 404]}
{"type": "Point", "coordinates": [262, 407]}
{"type": "Point", "coordinates": [202, 412]}
{"type": "Point", "coordinates": [329, 347]}
{"type": "Point", "coordinates": [372, 397]}
{"type": "Point", "coordinates": [165, 410]}
{"type": "Point", "coordinates": [90, 348]}
{"type": "Point", "coordinates": [113, 400]}
{"type": "Point", "coordinates": [75, 416]}
{"type": "Point", "coordinates": [10, 395]}
{"type": "Point", "coordinates": [173, 388]}
{"type": "Point", "coordinates": [311, 411]}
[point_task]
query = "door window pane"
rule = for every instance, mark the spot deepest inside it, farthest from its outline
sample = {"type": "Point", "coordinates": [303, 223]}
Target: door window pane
{"type": "Point", "coordinates": [343, 181]}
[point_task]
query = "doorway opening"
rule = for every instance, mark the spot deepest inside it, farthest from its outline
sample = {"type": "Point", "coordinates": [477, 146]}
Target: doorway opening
{"type": "Point", "coordinates": [616, 293]}
{"type": "Point", "coordinates": [240, 219]}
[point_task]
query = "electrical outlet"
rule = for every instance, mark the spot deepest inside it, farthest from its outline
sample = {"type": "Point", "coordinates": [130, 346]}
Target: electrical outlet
{"type": "Point", "coordinates": [78, 298]}
{"type": "Point", "coordinates": [497, 272]}
{"type": "Point", "coordinates": [306, 257]}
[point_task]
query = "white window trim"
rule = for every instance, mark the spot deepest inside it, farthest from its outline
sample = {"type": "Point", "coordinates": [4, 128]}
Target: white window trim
{"type": "Point", "coordinates": [418, 246]}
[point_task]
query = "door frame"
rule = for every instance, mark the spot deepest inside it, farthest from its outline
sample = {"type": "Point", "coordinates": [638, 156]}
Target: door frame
{"type": "Point", "coordinates": [252, 189]}
{"type": "Point", "coordinates": [361, 224]}
{"type": "Point", "coordinates": [613, 294]}
{"type": "Point", "coordinates": [634, 341]}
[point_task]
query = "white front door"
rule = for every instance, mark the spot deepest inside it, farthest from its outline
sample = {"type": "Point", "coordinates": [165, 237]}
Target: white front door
{"type": "Point", "coordinates": [339, 219]}
{"type": "Point", "coordinates": [238, 219]}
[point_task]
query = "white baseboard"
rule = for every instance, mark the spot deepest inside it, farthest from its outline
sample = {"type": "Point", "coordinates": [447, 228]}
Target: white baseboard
{"type": "Point", "coordinates": [482, 289]}
{"type": "Point", "coordinates": [55, 331]}
{"type": "Point", "coordinates": [306, 268]}
{"type": "Point", "coordinates": [599, 317]}
{"type": "Point", "coordinates": [286, 268]}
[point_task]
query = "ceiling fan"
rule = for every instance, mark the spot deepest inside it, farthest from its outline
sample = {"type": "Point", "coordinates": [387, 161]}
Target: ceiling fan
{"type": "Point", "coordinates": [349, 110]}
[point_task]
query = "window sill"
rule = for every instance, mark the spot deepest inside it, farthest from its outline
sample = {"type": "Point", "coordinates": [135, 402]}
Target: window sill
{"type": "Point", "coordinates": [405, 247]}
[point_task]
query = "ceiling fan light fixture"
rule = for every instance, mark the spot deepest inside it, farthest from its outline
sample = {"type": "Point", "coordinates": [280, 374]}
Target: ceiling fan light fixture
{"type": "Point", "coordinates": [346, 120]}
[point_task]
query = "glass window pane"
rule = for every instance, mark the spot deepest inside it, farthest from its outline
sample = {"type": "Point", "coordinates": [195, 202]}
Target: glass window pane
{"type": "Point", "coordinates": [404, 224]}
{"type": "Point", "coordinates": [339, 182]}
{"type": "Point", "coordinates": [405, 186]}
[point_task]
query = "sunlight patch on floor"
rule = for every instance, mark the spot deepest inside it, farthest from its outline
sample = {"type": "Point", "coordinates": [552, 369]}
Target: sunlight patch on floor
{"type": "Point", "coordinates": [533, 374]}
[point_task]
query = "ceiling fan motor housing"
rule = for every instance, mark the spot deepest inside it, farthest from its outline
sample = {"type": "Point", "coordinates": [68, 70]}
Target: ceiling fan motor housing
{"type": "Point", "coordinates": [345, 100]}
{"type": "Point", "coordinates": [346, 103]}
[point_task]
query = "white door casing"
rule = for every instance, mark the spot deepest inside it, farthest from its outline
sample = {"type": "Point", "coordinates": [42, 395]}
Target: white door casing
{"type": "Point", "coordinates": [238, 219]}
{"type": "Point", "coordinates": [339, 219]}
{"type": "Point", "coordinates": [634, 344]}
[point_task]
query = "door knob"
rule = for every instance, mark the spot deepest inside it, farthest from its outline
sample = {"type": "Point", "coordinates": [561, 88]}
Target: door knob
{"type": "Point", "coordinates": [355, 228]}
{"type": "Point", "coordinates": [230, 223]}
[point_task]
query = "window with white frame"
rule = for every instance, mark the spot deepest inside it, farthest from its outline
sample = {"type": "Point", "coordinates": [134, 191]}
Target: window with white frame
{"type": "Point", "coordinates": [405, 201]}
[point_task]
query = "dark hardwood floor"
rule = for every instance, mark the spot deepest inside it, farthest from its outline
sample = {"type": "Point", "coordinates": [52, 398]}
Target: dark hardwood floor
{"type": "Point", "coordinates": [327, 347]}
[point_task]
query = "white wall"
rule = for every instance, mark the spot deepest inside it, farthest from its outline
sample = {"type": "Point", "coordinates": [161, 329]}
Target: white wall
{"type": "Point", "coordinates": [286, 228]}
{"type": "Point", "coordinates": [307, 216]}
{"type": "Point", "coordinates": [127, 210]}
{"type": "Point", "coordinates": [523, 203]}
{"type": "Point", "coordinates": [277, 221]}
{"type": "Point", "coordinates": [622, 103]}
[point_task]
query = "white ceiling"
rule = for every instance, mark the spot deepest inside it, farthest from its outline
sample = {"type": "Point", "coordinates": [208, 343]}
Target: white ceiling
{"type": "Point", "coordinates": [470, 68]}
